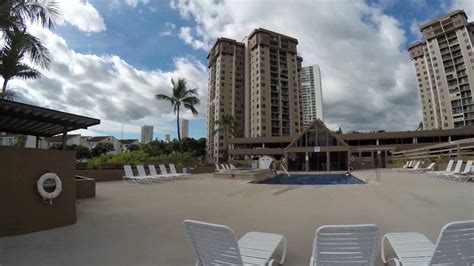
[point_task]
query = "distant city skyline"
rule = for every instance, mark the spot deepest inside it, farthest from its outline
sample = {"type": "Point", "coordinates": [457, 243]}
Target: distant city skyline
{"type": "Point", "coordinates": [125, 52]}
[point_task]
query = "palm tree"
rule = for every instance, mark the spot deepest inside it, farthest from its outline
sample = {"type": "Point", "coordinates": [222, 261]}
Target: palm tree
{"type": "Point", "coordinates": [181, 96]}
{"type": "Point", "coordinates": [228, 125]}
{"type": "Point", "coordinates": [14, 16]}
{"type": "Point", "coordinates": [12, 55]}
{"type": "Point", "coordinates": [15, 13]}
{"type": "Point", "coordinates": [9, 95]}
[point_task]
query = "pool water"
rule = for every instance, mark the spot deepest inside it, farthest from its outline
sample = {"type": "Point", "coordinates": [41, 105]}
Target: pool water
{"type": "Point", "coordinates": [324, 179]}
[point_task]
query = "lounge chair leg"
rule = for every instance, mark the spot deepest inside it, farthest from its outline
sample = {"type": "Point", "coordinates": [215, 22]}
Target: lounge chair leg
{"type": "Point", "coordinates": [283, 255]}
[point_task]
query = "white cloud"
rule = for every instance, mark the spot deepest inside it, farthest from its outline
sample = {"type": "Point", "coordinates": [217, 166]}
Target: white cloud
{"type": "Point", "coordinates": [169, 29]}
{"type": "Point", "coordinates": [368, 79]}
{"type": "Point", "coordinates": [81, 14]}
{"type": "Point", "coordinates": [467, 5]}
{"type": "Point", "coordinates": [134, 3]}
{"type": "Point", "coordinates": [415, 28]}
{"type": "Point", "coordinates": [186, 36]}
{"type": "Point", "coordinates": [108, 88]}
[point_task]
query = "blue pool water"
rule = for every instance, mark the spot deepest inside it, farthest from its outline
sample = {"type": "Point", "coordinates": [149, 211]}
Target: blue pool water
{"type": "Point", "coordinates": [329, 179]}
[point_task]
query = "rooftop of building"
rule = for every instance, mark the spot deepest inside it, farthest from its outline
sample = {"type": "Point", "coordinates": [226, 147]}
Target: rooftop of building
{"type": "Point", "coordinates": [59, 138]}
{"type": "Point", "coordinates": [98, 138]}
{"type": "Point", "coordinates": [272, 33]}
{"type": "Point", "coordinates": [128, 141]}
{"type": "Point", "coordinates": [408, 134]}
{"type": "Point", "coordinates": [451, 14]}
{"type": "Point", "coordinates": [133, 224]}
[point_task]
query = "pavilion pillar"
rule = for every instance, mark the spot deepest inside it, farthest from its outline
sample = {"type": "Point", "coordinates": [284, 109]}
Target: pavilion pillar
{"type": "Point", "coordinates": [328, 162]}
{"type": "Point", "coordinates": [37, 142]}
{"type": "Point", "coordinates": [64, 138]}
{"type": "Point", "coordinates": [306, 157]}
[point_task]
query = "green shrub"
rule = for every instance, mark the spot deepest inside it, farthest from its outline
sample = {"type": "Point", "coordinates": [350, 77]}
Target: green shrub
{"type": "Point", "coordinates": [141, 157]}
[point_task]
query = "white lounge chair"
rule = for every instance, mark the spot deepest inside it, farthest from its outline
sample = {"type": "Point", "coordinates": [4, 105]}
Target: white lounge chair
{"type": "Point", "coordinates": [164, 172]}
{"type": "Point", "coordinates": [465, 175]}
{"type": "Point", "coordinates": [174, 172]}
{"type": "Point", "coordinates": [224, 167]}
{"type": "Point", "coordinates": [345, 245]}
{"type": "Point", "coordinates": [232, 166]}
{"type": "Point", "coordinates": [455, 246]}
{"type": "Point", "coordinates": [457, 170]}
{"type": "Point", "coordinates": [218, 169]}
{"type": "Point", "coordinates": [414, 168]}
{"type": "Point", "coordinates": [214, 244]}
{"type": "Point", "coordinates": [154, 173]}
{"type": "Point", "coordinates": [142, 173]}
{"type": "Point", "coordinates": [429, 168]}
{"type": "Point", "coordinates": [130, 176]}
{"type": "Point", "coordinates": [448, 169]}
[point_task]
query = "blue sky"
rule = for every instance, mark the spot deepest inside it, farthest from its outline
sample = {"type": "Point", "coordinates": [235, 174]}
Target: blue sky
{"type": "Point", "coordinates": [111, 57]}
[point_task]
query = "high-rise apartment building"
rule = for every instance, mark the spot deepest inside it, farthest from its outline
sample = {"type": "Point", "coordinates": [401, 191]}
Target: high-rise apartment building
{"type": "Point", "coordinates": [226, 68]}
{"type": "Point", "coordinates": [273, 84]}
{"type": "Point", "coordinates": [184, 128]}
{"type": "Point", "coordinates": [444, 63]}
{"type": "Point", "coordinates": [311, 94]}
{"type": "Point", "coordinates": [146, 134]}
{"type": "Point", "coordinates": [257, 82]}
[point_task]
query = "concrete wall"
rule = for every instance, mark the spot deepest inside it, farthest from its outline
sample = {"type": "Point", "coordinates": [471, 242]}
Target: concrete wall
{"type": "Point", "coordinates": [21, 207]}
{"type": "Point", "coordinates": [85, 187]}
{"type": "Point", "coordinates": [102, 175]}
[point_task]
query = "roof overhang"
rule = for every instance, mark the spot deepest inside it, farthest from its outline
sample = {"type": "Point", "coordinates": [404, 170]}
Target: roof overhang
{"type": "Point", "coordinates": [20, 118]}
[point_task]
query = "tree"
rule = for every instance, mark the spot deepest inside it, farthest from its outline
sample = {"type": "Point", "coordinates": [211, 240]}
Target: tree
{"type": "Point", "coordinates": [228, 125]}
{"type": "Point", "coordinates": [12, 55]}
{"type": "Point", "coordinates": [14, 18]}
{"type": "Point", "coordinates": [102, 148]}
{"type": "Point", "coordinates": [181, 95]}
{"type": "Point", "coordinates": [81, 151]}
{"type": "Point", "coordinates": [20, 141]}
{"type": "Point", "coordinates": [133, 147]}
{"type": "Point", "coordinates": [9, 95]}
{"type": "Point", "coordinates": [420, 126]}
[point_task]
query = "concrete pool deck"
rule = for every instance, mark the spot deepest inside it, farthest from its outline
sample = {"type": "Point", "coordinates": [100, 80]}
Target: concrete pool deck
{"type": "Point", "coordinates": [133, 224]}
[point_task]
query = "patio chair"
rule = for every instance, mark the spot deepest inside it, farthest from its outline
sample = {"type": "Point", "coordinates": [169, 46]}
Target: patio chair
{"type": "Point", "coordinates": [429, 168]}
{"type": "Point", "coordinates": [224, 167]}
{"type": "Point", "coordinates": [448, 169]}
{"type": "Point", "coordinates": [465, 175]}
{"type": "Point", "coordinates": [345, 245]}
{"type": "Point", "coordinates": [164, 172]}
{"type": "Point", "coordinates": [218, 169]}
{"type": "Point", "coordinates": [130, 176]}
{"type": "Point", "coordinates": [455, 246]}
{"type": "Point", "coordinates": [175, 173]}
{"type": "Point", "coordinates": [457, 170]}
{"type": "Point", "coordinates": [404, 166]}
{"type": "Point", "coordinates": [232, 166]}
{"type": "Point", "coordinates": [414, 168]}
{"type": "Point", "coordinates": [142, 173]}
{"type": "Point", "coordinates": [154, 173]}
{"type": "Point", "coordinates": [214, 244]}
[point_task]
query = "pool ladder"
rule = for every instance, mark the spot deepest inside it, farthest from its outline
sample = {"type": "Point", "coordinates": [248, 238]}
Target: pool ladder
{"type": "Point", "coordinates": [284, 169]}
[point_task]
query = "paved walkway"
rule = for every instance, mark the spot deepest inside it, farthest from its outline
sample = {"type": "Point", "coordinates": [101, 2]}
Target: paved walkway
{"type": "Point", "coordinates": [130, 224]}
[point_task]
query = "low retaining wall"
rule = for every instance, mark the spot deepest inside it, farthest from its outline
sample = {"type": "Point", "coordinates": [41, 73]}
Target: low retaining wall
{"type": "Point", "coordinates": [85, 187]}
{"type": "Point", "coordinates": [22, 208]}
{"type": "Point", "coordinates": [102, 175]}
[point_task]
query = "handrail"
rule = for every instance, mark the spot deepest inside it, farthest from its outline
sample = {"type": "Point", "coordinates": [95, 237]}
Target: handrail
{"type": "Point", "coordinates": [284, 169]}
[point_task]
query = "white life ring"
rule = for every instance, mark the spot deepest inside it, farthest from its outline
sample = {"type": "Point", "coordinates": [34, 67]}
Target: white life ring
{"type": "Point", "coordinates": [58, 186]}
{"type": "Point", "coordinates": [352, 158]}
{"type": "Point", "coordinates": [283, 160]}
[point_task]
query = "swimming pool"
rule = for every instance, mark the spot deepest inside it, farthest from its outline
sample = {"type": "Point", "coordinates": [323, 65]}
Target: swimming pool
{"type": "Point", "coordinates": [323, 179]}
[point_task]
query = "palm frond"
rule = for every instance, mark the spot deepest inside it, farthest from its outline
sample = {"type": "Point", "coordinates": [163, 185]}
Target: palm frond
{"type": "Point", "coordinates": [9, 95]}
{"type": "Point", "coordinates": [191, 107]}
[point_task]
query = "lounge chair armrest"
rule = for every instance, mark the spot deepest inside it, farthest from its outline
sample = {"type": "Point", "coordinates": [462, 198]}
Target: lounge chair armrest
{"type": "Point", "coordinates": [270, 263]}
{"type": "Point", "coordinates": [382, 253]}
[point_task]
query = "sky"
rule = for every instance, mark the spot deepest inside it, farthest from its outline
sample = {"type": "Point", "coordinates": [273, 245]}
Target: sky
{"type": "Point", "coordinates": [111, 57]}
